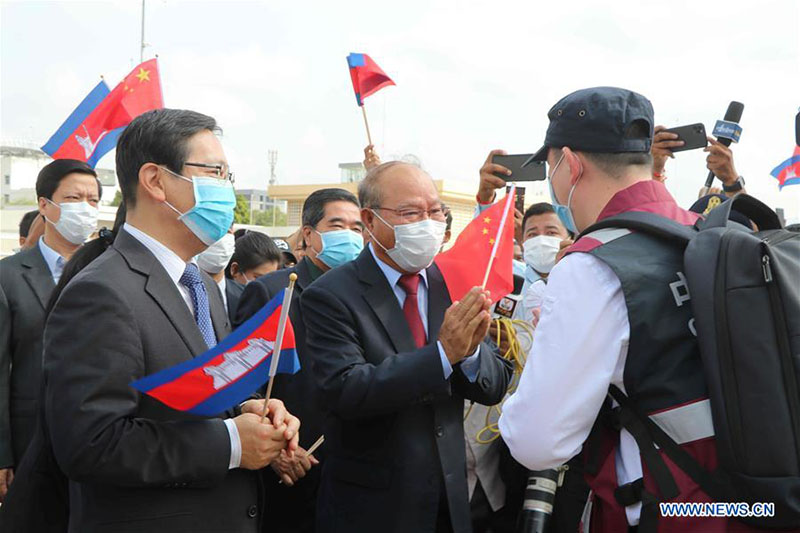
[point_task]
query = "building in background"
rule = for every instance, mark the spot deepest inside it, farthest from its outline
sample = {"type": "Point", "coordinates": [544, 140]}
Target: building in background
{"type": "Point", "coordinates": [459, 196]}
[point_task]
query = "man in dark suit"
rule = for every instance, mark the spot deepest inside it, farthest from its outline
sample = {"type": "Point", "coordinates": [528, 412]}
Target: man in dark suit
{"type": "Point", "coordinates": [26, 281]}
{"type": "Point", "coordinates": [332, 232]}
{"type": "Point", "coordinates": [141, 307]}
{"type": "Point", "coordinates": [395, 361]}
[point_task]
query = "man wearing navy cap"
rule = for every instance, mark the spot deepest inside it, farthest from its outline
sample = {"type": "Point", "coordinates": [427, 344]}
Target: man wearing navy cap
{"type": "Point", "coordinates": [616, 314]}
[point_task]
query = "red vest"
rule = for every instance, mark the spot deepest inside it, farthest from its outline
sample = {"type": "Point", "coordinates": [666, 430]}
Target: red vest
{"type": "Point", "coordinates": [663, 373]}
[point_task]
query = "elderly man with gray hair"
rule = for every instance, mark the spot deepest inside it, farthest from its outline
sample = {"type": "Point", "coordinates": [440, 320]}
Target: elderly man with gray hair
{"type": "Point", "coordinates": [395, 359]}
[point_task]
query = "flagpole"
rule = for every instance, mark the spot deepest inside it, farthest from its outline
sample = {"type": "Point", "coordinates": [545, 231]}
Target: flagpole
{"type": "Point", "coordinates": [316, 445]}
{"type": "Point", "coordinates": [276, 352]}
{"type": "Point", "coordinates": [509, 200]}
{"type": "Point", "coordinates": [141, 44]}
{"type": "Point", "coordinates": [364, 111]}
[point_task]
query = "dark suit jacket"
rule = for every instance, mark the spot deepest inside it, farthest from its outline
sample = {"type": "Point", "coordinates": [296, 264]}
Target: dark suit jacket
{"type": "Point", "coordinates": [233, 293]}
{"type": "Point", "coordinates": [395, 441]}
{"type": "Point", "coordinates": [25, 287]}
{"type": "Point", "coordinates": [133, 463]}
{"type": "Point", "coordinates": [300, 394]}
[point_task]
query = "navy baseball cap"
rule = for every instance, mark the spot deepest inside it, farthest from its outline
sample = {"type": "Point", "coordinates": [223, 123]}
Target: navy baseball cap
{"type": "Point", "coordinates": [704, 205]}
{"type": "Point", "coordinates": [600, 120]}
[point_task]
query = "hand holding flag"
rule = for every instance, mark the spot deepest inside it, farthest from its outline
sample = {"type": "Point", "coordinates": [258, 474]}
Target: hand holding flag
{"type": "Point", "coordinates": [230, 371]}
{"type": "Point", "coordinates": [482, 254]}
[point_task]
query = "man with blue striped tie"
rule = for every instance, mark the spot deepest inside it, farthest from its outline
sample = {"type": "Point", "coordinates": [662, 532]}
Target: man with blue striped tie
{"type": "Point", "coordinates": [141, 307]}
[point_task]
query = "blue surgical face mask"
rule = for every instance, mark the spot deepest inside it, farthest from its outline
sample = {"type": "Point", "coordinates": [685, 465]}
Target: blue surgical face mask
{"type": "Point", "coordinates": [339, 247]}
{"type": "Point", "coordinates": [563, 211]}
{"type": "Point", "coordinates": [212, 214]}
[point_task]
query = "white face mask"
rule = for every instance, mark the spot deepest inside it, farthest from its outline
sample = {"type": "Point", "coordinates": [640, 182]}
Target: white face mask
{"type": "Point", "coordinates": [540, 252]}
{"type": "Point", "coordinates": [78, 220]}
{"type": "Point", "coordinates": [415, 244]}
{"type": "Point", "coordinates": [215, 258]}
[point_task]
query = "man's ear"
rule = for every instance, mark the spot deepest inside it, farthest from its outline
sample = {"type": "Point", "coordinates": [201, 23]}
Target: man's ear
{"type": "Point", "coordinates": [367, 217]}
{"type": "Point", "coordinates": [234, 269]}
{"type": "Point", "coordinates": [151, 182]}
{"type": "Point", "coordinates": [305, 236]}
{"type": "Point", "coordinates": [575, 165]}
{"type": "Point", "coordinates": [42, 205]}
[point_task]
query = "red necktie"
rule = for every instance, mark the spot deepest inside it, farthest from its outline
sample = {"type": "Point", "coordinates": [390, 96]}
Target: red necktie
{"type": "Point", "coordinates": [409, 283]}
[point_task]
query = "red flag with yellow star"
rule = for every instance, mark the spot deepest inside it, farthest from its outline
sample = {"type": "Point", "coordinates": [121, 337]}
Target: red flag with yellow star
{"type": "Point", "coordinates": [94, 126]}
{"type": "Point", "coordinates": [141, 89]}
{"type": "Point", "coordinates": [482, 254]}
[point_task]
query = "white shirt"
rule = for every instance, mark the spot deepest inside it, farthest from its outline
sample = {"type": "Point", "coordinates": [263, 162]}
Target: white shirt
{"type": "Point", "coordinates": [222, 286]}
{"type": "Point", "coordinates": [175, 266]}
{"type": "Point", "coordinates": [580, 348]}
{"type": "Point", "coordinates": [53, 260]}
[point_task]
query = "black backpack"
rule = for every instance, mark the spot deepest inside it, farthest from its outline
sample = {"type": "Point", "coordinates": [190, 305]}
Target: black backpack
{"type": "Point", "coordinates": [745, 295]}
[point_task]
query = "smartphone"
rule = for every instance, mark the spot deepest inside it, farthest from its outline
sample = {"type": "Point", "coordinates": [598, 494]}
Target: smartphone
{"type": "Point", "coordinates": [693, 135]}
{"type": "Point", "coordinates": [535, 171]}
{"type": "Point", "coordinates": [519, 201]}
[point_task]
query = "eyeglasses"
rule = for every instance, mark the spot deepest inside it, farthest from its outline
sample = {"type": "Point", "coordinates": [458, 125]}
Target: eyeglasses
{"type": "Point", "coordinates": [409, 215]}
{"type": "Point", "coordinates": [219, 170]}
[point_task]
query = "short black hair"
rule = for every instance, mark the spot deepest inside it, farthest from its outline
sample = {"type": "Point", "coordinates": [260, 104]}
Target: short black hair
{"type": "Point", "coordinates": [448, 219]}
{"type": "Point", "coordinates": [615, 164]}
{"type": "Point", "coordinates": [541, 208]}
{"type": "Point", "coordinates": [25, 223]}
{"type": "Point", "coordinates": [160, 136]}
{"type": "Point", "coordinates": [314, 206]}
{"type": "Point", "coordinates": [52, 173]}
{"type": "Point", "coordinates": [253, 249]}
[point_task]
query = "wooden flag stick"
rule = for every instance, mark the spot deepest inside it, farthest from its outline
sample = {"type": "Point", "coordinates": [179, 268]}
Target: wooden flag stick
{"type": "Point", "coordinates": [364, 111]}
{"type": "Point", "coordinates": [316, 445]}
{"type": "Point", "coordinates": [509, 200]}
{"type": "Point", "coordinates": [276, 352]}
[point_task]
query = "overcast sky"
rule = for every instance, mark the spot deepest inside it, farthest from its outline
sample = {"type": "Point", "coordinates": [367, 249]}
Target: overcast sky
{"type": "Point", "coordinates": [471, 76]}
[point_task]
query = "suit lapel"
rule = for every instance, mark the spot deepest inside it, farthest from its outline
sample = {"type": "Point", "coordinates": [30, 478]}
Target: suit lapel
{"type": "Point", "coordinates": [383, 302]}
{"type": "Point", "coordinates": [37, 275]}
{"type": "Point", "coordinates": [217, 307]}
{"type": "Point", "coordinates": [438, 301]}
{"type": "Point", "coordinates": [161, 288]}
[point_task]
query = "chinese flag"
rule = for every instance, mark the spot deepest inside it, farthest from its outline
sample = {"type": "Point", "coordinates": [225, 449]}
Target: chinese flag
{"type": "Point", "coordinates": [464, 265]}
{"type": "Point", "coordinates": [141, 89]}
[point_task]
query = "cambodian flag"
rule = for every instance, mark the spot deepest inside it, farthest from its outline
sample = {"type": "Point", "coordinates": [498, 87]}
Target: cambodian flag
{"type": "Point", "coordinates": [367, 76]}
{"type": "Point", "coordinates": [93, 128]}
{"type": "Point", "coordinates": [231, 371]}
{"type": "Point", "coordinates": [788, 172]}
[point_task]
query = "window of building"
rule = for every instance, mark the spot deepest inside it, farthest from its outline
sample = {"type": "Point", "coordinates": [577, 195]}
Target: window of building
{"type": "Point", "coordinates": [7, 179]}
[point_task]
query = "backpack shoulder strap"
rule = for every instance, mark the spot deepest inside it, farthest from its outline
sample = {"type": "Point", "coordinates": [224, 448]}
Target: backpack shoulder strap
{"type": "Point", "coordinates": [649, 223]}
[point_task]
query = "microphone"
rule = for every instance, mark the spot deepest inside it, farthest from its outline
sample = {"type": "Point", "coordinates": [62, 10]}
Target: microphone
{"type": "Point", "coordinates": [733, 114]}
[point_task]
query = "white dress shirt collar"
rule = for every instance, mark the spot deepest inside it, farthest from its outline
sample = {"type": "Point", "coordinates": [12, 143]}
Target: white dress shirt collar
{"type": "Point", "coordinates": [392, 275]}
{"type": "Point", "coordinates": [222, 288]}
{"type": "Point", "coordinates": [173, 264]}
{"type": "Point", "coordinates": [55, 262]}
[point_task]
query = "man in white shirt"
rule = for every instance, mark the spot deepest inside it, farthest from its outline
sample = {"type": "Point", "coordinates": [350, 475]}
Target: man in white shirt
{"type": "Point", "coordinates": [141, 307]}
{"type": "Point", "coordinates": [613, 317]}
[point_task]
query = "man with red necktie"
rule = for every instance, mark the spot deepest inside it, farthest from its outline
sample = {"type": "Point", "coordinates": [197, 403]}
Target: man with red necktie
{"type": "Point", "coordinates": [395, 359]}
